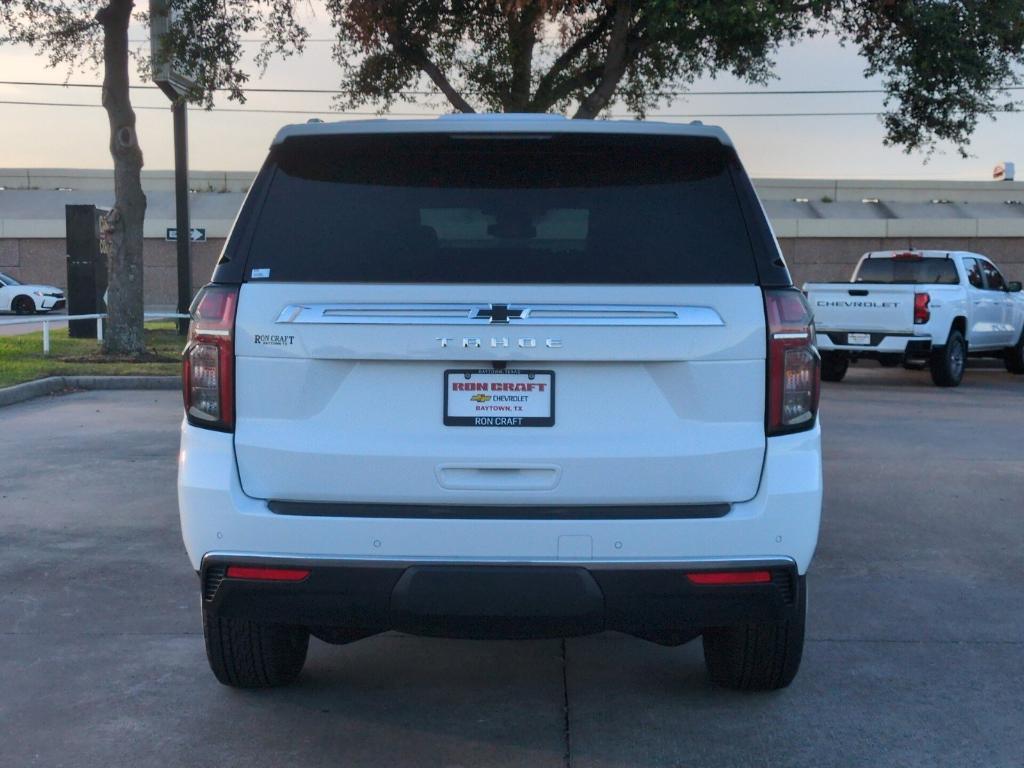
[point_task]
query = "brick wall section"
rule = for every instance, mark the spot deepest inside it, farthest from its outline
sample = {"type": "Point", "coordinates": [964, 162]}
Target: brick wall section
{"type": "Point", "coordinates": [831, 259]}
{"type": "Point", "coordinates": [810, 259]}
{"type": "Point", "coordinates": [43, 260]}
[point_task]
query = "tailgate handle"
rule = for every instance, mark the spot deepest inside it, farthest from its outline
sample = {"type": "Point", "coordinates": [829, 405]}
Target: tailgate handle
{"type": "Point", "coordinates": [498, 477]}
{"type": "Point", "coordinates": [858, 292]}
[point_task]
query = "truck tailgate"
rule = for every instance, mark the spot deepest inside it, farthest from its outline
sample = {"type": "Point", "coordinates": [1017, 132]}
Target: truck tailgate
{"type": "Point", "coordinates": [859, 307]}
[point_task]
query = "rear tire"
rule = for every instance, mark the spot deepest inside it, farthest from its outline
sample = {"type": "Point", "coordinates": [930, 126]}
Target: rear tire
{"type": "Point", "coordinates": [23, 305]}
{"type": "Point", "coordinates": [947, 363]}
{"type": "Point", "coordinates": [757, 657]}
{"type": "Point", "coordinates": [1013, 357]}
{"type": "Point", "coordinates": [249, 654]}
{"type": "Point", "coordinates": [834, 366]}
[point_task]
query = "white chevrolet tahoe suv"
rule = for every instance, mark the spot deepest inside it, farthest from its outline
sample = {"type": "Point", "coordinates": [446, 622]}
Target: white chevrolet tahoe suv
{"type": "Point", "coordinates": [501, 377]}
{"type": "Point", "coordinates": [920, 309]}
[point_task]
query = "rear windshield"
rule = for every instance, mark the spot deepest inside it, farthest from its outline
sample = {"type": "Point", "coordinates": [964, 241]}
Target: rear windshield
{"type": "Point", "coordinates": [913, 271]}
{"type": "Point", "coordinates": [506, 209]}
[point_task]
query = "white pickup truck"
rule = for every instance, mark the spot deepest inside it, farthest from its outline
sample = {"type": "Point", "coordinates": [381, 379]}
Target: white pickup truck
{"type": "Point", "coordinates": [920, 309]}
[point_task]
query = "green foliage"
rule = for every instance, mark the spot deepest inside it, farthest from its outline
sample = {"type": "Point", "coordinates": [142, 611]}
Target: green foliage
{"type": "Point", "coordinates": [206, 40]}
{"type": "Point", "coordinates": [944, 63]}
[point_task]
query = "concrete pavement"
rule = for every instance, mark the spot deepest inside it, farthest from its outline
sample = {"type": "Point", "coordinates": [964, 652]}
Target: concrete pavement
{"type": "Point", "coordinates": [915, 655]}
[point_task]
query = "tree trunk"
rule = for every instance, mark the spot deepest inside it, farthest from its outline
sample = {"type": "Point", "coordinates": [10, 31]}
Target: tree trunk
{"type": "Point", "coordinates": [615, 64]}
{"type": "Point", "coordinates": [123, 334]}
{"type": "Point", "coordinates": [522, 35]}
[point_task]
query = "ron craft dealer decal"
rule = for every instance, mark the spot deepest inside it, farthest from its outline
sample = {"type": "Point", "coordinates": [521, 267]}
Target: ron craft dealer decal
{"type": "Point", "coordinates": [272, 339]}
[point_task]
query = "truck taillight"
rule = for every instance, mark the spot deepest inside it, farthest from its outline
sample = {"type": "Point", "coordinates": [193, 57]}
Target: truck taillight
{"type": "Point", "coordinates": [793, 362]}
{"type": "Point", "coordinates": [922, 314]}
{"type": "Point", "coordinates": [208, 375]}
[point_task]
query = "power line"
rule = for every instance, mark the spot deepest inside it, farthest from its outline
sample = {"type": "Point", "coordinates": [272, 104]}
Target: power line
{"type": "Point", "coordinates": [216, 109]}
{"type": "Point", "coordinates": [245, 110]}
{"type": "Point", "coordinates": [335, 91]}
{"type": "Point", "coordinates": [332, 91]}
{"type": "Point", "coordinates": [254, 40]}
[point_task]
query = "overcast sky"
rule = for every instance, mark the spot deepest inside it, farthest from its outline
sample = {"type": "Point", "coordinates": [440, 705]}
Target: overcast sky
{"type": "Point", "coordinates": [801, 147]}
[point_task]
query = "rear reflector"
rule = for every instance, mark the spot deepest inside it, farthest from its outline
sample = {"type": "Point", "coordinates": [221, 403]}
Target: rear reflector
{"type": "Point", "coordinates": [267, 574]}
{"type": "Point", "coordinates": [729, 577]}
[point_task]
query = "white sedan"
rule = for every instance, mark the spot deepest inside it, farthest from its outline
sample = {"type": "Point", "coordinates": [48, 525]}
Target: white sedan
{"type": "Point", "coordinates": [28, 299]}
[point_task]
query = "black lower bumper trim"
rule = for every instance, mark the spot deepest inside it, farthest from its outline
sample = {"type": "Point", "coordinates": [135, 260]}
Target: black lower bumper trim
{"type": "Point", "coordinates": [492, 512]}
{"type": "Point", "coordinates": [842, 338]}
{"type": "Point", "coordinates": [340, 602]}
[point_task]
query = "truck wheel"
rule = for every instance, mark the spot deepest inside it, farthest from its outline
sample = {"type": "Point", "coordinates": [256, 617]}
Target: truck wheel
{"type": "Point", "coordinates": [1013, 357]}
{"type": "Point", "coordinates": [833, 366]}
{"type": "Point", "coordinates": [757, 657]}
{"type": "Point", "coordinates": [947, 363]}
{"type": "Point", "coordinates": [249, 654]}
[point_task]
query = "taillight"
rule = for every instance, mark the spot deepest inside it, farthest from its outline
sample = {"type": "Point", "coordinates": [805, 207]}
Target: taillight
{"type": "Point", "coordinates": [793, 362]}
{"type": "Point", "coordinates": [208, 375]}
{"type": "Point", "coordinates": [921, 312]}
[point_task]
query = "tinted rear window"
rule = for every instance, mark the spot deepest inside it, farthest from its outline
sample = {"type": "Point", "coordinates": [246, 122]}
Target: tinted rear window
{"type": "Point", "coordinates": [536, 209]}
{"type": "Point", "coordinates": [912, 271]}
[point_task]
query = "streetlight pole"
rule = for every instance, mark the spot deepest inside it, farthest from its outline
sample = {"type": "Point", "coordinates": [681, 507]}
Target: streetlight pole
{"type": "Point", "coordinates": [184, 238]}
{"type": "Point", "coordinates": [175, 85]}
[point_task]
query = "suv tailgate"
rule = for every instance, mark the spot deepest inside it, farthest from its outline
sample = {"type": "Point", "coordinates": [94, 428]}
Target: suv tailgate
{"type": "Point", "coordinates": [648, 409]}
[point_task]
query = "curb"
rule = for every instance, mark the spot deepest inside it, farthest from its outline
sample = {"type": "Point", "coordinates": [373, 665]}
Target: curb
{"type": "Point", "coordinates": [28, 390]}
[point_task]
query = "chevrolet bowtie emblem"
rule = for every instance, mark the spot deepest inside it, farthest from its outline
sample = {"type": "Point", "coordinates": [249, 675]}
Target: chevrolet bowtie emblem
{"type": "Point", "coordinates": [498, 313]}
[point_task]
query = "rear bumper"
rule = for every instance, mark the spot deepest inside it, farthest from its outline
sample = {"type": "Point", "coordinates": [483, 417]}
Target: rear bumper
{"type": "Point", "coordinates": [881, 344]}
{"type": "Point", "coordinates": [343, 601]}
{"type": "Point", "coordinates": [780, 522]}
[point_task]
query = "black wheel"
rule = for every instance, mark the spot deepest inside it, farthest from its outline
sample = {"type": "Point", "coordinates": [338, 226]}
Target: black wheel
{"type": "Point", "coordinates": [23, 305]}
{"type": "Point", "coordinates": [1013, 357]}
{"type": "Point", "coordinates": [248, 654]}
{"type": "Point", "coordinates": [833, 366]}
{"type": "Point", "coordinates": [758, 657]}
{"type": "Point", "coordinates": [947, 363]}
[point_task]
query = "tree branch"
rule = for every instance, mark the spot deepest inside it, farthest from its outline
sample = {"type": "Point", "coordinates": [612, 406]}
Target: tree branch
{"type": "Point", "coordinates": [419, 57]}
{"type": "Point", "coordinates": [547, 83]}
{"type": "Point", "coordinates": [568, 86]}
{"type": "Point", "coordinates": [623, 47]}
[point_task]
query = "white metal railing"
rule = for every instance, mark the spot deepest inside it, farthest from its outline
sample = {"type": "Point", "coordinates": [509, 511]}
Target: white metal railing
{"type": "Point", "coordinates": [46, 322]}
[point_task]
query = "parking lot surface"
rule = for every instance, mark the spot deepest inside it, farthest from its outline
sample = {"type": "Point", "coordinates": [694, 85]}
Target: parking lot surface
{"type": "Point", "coordinates": [915, 654]}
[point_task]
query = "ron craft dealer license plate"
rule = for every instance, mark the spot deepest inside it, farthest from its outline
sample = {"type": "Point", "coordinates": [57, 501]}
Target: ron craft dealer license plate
{"type": "Point", "coordinates": [492, 398]}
